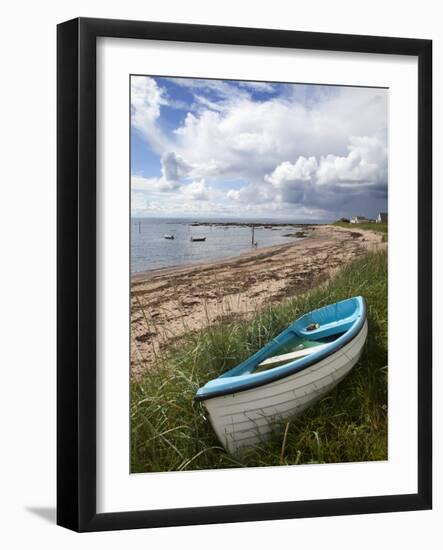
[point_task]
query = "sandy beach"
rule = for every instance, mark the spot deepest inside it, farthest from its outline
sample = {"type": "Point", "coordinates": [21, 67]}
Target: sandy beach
{"type": "Point", "coordinates": [166, 303]}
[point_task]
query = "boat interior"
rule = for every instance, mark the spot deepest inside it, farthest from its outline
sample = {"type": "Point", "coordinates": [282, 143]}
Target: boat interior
{"type": "Point", "coordinates": [296, 348]}
{"type": "Point", "coordinates": [310, 333]}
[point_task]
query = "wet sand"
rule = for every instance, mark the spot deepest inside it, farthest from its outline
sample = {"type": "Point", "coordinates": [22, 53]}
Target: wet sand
{"type": "Point", "coordinates": [168, 302]}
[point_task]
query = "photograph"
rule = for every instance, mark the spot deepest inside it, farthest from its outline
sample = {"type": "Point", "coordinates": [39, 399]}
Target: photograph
{"type": "Point", "coordinates": [258, 273]}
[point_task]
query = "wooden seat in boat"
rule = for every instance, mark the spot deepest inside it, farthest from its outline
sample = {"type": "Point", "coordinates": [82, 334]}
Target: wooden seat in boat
{"type": "Point", "coordinates": [286, 357]}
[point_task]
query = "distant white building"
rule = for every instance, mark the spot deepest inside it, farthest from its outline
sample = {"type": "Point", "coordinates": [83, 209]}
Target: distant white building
{"type": "Point", "coordinates": [359, 219]}
{"type": "Point", "coordinates": [382, 217]}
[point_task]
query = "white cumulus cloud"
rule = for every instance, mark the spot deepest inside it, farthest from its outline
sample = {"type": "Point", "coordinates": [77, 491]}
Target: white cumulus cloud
{"type": "Point", "coordinates": [196, 190]}
{"type": "Point", "coordinates": [322, 153]}
{"type": "Point", "coordinates": [333, 179]}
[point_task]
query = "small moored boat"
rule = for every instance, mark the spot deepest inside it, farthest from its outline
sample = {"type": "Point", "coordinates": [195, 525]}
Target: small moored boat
{"type": "Point", "coordinates": [170, 237]}
{"type": "Point", "coordinates": [298, 367]}
{"type": "Point", "coordinates": [198, 239]}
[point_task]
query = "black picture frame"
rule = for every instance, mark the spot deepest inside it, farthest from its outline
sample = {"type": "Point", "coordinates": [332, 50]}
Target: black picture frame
{"type": "Point", "coordinates": [76, 266]}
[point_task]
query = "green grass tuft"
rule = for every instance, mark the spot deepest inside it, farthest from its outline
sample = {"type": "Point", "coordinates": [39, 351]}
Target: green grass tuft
{"type": "Point", "coordinates": [169, 431]}
{"type": "Point", "coordinates": [379, 227]}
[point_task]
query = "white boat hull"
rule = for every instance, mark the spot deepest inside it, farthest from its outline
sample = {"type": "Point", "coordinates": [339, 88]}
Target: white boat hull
{"type": "Point", "coordinates": [249, 417]}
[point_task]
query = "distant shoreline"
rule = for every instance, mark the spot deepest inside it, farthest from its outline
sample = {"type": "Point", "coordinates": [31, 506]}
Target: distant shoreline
{"type": "Point", "coordinates": [251, 224]}
{"type": "Point", "coordinates": [232, 223]}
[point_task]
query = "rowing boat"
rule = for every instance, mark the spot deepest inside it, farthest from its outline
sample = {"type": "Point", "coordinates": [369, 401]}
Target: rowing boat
{"type": "Point", "coordinates": [297, 368]}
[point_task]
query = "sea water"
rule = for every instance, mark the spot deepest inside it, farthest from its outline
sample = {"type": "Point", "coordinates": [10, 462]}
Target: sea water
{"type": "Point", "coordinates": [150, 250]}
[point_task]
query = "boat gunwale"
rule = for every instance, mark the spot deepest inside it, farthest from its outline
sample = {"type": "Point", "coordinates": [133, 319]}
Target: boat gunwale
{"type": "Point", "coordinates": [350, 335]}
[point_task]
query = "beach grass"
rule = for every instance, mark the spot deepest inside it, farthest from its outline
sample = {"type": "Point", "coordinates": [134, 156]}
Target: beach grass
{"type": "Point", "coordinates": [169, 430]}
{"type": "Point", "coordinates": [369, 226]}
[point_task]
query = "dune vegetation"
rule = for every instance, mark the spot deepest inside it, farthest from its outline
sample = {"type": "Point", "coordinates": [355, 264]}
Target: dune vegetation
{"type": "Point", "coordinates": [169, 430]}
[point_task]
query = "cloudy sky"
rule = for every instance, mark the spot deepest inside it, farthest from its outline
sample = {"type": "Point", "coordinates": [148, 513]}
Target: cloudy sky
{"type": "Point", "coordinates": [219, 148]}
